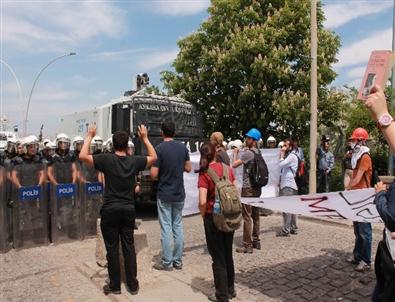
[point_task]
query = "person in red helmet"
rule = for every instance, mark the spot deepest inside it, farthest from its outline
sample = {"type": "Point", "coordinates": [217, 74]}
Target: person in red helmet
{"type": "Point", "coordinates": [361, 164]}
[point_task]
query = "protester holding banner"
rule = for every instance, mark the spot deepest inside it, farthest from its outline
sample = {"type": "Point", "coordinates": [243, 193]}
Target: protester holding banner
{"type": "Point", "coordinates": [219, 244]}
{"type": "Point", "coordinates": [385, 203]}
{"type": "Point", "coordinates": [250, 213]}
{"type": "Point", "coordinates": [118, 213]}
{"type": "Point", "coordinates": [361, 164]}
{"type": "Point", "coordinates": [288, 187]}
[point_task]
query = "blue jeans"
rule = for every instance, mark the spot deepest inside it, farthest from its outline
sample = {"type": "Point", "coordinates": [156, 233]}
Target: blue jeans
{"type": "Point", "coordinates": [170, 220]}
{"type": "Point", "coordinates": [363, 241]}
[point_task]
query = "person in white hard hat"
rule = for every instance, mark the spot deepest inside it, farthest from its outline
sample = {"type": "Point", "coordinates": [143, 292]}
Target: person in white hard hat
{"type": "Point", "coordinates": [271, 142]}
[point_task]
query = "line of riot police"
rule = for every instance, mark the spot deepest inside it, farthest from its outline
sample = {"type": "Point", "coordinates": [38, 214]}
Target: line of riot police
{"type": "Point", "coordinates": [46, 193]}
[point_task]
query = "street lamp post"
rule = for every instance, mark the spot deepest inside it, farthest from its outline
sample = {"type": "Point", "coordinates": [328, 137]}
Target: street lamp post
{"type": "Point", "coordinates": [16, 80]}
{"type": "Point", "coordinates": [34, 84]}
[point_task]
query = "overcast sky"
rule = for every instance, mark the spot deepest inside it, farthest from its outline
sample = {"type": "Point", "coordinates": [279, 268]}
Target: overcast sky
{"type": "Point", "coordinates": [115, 40]}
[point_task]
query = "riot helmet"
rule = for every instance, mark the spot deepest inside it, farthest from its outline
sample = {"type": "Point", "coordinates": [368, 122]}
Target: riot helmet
{"type": "Point", "coordinates": [78, 141]}
{"type": "Point", "coordinates": [29, 145]}
{"type": "Point", "coordinates": [62, 142]}
{"type": "Point", "coordinates": [12, 145]}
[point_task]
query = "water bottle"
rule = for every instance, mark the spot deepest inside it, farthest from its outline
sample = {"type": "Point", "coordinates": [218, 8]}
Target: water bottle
{"type": "Point", "coordinates": [217, 206]}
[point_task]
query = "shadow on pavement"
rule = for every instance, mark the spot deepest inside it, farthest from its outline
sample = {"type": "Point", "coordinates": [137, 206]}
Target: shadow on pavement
{"type": "Point", "coordinates": [326, 277]}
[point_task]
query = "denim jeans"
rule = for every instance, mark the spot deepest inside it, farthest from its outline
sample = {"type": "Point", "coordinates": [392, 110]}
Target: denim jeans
{"type": "Point", "coordinates": [170, 220]}
{"type": "Point", "coordinates": [363, 241]}
{"type": "Point", "coordinates": [289, 220]}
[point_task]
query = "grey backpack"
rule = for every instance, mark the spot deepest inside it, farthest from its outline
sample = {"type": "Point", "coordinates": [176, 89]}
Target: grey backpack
{"type": "Point", "coordinates": [229, 218]}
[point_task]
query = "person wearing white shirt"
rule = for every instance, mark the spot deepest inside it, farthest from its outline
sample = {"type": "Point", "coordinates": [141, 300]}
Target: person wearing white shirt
{"type": "Point", "coordinates": [288, 187]}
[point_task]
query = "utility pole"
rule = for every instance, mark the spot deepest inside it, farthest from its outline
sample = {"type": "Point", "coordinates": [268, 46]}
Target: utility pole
{"type": "Point", "coordinates": [390, 163]}
{"type": "Point", "coordinates": [313, 98]}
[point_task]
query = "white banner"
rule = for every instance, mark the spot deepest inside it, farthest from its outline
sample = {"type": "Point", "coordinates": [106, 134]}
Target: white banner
{"type": "Point", "coordinates": [271, 157]}
{"type": "Point", "coordinates": [356, 205]}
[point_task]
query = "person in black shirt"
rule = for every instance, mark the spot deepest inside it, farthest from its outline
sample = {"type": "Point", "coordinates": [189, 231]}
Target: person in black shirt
{"type": "Point", "coordinates": [118, 213]}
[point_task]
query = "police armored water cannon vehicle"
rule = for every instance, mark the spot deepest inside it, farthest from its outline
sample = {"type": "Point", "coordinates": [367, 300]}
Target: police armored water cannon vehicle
{"type": "Point", "coordinates": [138, 107]}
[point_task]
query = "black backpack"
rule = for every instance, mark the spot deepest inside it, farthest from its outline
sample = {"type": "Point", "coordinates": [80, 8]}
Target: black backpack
{"type": "Point", "coordinates": [300, 176]}
{"type": "Point", "coordinates": [375, 174]}
{"type": "Point", "coordinates": [258, 171]}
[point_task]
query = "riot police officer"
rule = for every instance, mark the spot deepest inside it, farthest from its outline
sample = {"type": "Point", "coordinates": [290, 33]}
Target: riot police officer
{"type": "Point", "coordinates": [10, 153]}
{"type": "Point", "coordinates": [62, 155]}
{"type": "Point", "coordinates": [78, 141]}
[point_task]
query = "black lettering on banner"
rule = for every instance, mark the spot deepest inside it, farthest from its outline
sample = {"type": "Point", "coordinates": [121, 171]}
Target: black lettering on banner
{"type": "Point", "coordinates": [319, 209]}
{"type": "Point", "coordinates": [363, 206]}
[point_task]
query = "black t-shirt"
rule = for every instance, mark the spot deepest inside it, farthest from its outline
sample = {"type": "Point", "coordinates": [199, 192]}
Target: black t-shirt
{"type": "Point", "coordinates": [172, 156]}
{"type": "Point", "coordinates": [119, 174]}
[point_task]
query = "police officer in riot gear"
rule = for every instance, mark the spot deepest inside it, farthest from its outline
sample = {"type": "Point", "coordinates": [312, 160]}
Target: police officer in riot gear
{"type": "Point", "coordinates": [10, 152]}
{"type": "Point", "coordinates": [29, 153]}
{"type": "Point", "coordinates": [96, 146]}
{"type": "Point", "coordinates": [62, 155]}
{"type": "Point", "coordinates": [78, 141]}
{"type": "Point", "coordinates": [108, 148]}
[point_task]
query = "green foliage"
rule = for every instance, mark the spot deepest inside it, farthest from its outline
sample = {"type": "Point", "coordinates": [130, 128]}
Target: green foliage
{"type": "Point", "coordinates": [248, 65]}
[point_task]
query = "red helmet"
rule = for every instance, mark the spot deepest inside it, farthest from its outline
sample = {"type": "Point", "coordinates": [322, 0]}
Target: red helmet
{"type": "Point", "coordinates": [360, 134]}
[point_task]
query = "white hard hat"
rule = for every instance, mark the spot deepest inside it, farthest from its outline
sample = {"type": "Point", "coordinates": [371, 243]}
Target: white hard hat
{"type": "Point", "coordinates": [236, 143]}
{"type": "Point", "coordinates": [271, 139]}
{"type": "Point", "coordinates": [77, 139]}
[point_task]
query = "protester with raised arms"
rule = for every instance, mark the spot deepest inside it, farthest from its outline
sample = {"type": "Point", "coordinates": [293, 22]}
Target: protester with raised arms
{"type": "Point", "coordinates": [118, 213]}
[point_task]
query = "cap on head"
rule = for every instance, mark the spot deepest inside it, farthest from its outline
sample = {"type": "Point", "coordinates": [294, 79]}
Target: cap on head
{"type": "Point", "coordinates": [254, 133]}
{"type": "Point", "coordinates": [325, 138]}
{"type": "Point", "coordinates": [217, 138]}
{"type": "Point", "coordinates": [271, 139]}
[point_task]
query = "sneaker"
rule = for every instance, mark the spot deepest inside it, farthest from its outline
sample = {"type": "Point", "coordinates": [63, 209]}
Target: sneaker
{"type": "Point", "coordinates": [108, 290]}
{"type": "Point", "coordinates": [282, 234]}
{"type": "Point", "coordinates": [362, 267]}
{"type": "Point", "coordinates": [161, 267]}
{"type": "Point", "coordinates": [133, 292]}
{"type": "Point", "coordinates": [177, 266]}
{"type": "Point", "coordinates": [212, 297]}
{"type": "Point", "coordinates": [232, 294]}
{"type": "Point", "coordinates": [256, 245]}
{"type": "Point", "coordinates": [352, 260]}
{"type": "Point", "coordinates": [245, 250]}
{"type": "Point", "coordinates": [294, 232]}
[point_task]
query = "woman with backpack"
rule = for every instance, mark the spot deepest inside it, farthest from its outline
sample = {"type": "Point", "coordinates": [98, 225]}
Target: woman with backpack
{"type": "Point", "coordinates": [219, 243]}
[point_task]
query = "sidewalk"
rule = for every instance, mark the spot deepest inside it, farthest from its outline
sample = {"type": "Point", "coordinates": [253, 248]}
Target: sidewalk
{"type": "Point", "coordinates": [307, 267]}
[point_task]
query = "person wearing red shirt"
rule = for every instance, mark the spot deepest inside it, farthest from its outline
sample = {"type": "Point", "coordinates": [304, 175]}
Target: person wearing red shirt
{"type": "Point", "coordinates": [219, 244]}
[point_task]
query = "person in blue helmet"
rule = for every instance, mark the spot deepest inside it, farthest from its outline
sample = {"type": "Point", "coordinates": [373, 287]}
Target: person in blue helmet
{"type": "Point", "coordinates": [250, 213]}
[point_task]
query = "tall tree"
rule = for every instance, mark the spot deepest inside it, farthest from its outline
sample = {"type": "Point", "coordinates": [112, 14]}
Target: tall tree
{"type": "Point", "coordinates": [248, 66]}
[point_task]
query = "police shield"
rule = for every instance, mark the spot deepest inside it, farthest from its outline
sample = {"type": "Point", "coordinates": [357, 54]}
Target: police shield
{"type": "Point", "coordinates": [4, 245]}
{"type": "Point", "coordinates": [91, 190]}
{"type": "Point", "coordinates": [29, 205]}
{"type": "Point", "coordinates": [64, 202]}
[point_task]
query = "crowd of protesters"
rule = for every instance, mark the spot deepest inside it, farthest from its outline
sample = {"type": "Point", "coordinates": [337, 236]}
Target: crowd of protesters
{"type": "Point", "coordinates": [170, 159]}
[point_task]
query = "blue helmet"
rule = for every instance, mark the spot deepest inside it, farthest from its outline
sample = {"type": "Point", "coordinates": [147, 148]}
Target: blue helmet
{"type": "Point", "coordinates": [254, 133]}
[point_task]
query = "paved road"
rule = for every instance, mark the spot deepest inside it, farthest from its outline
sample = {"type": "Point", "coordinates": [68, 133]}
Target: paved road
{"type": "Point", "coordinates": [307, 267]}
